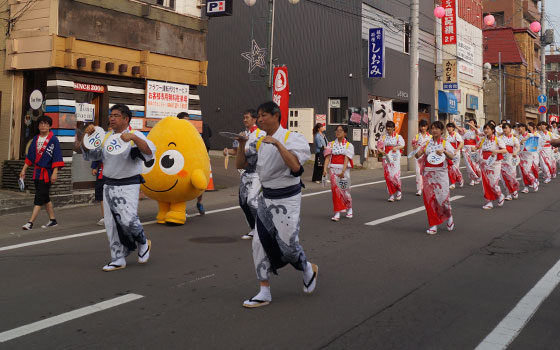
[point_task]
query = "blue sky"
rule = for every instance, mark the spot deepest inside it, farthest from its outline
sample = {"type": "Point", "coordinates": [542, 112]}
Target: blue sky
{"type": "Point", "coordinates": [553, 13]}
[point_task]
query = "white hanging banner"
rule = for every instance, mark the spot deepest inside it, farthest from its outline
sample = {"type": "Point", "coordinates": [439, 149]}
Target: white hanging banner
{"type": "Point", "coordinates": [382, 112]}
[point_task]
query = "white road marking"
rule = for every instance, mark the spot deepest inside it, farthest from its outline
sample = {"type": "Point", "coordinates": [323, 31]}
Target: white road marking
{"type": "Point", "coordinates": [68, 316]}
{"type": "Point", "coordinates": [43, 241]}
{"type": "Point", "coordinates": [404, 213]}
{"type": "Point", "coordinates": [510, 327]}
{"type": "Point", "coordinates": [196, 280]}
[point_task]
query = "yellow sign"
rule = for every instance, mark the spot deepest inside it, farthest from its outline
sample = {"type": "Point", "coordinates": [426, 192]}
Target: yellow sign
{"type": "Point", "coordinates": [450, 75]}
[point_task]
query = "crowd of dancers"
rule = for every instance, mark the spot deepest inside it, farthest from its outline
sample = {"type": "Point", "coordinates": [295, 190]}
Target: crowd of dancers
{"type": "Point", "coordinates": [492, 154]}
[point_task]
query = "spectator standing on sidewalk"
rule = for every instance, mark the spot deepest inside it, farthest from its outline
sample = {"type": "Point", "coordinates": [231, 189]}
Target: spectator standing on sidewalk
{"type": "Point", "coordinates": [321, 143]}
{"type": "Point", "coordinates": [45, 154]}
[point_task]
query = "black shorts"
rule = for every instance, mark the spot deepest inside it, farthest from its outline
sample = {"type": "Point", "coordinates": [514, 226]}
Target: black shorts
{"type": "Point", "coordinates": [42, 190]}
{"type": "Point", "coordinates": [99, 190]}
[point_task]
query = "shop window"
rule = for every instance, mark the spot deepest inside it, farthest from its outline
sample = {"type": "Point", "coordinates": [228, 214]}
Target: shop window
{"type": "Point", "coordinates": [337, 110]}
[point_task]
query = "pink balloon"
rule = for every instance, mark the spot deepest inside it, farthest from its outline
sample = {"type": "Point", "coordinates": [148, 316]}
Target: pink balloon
{"type": "Point", "coordinates": [489, 20]}
{"type": "Point", "coordinates": [535, 27]}
{"type": "Point", "coordinates": [439, 12]}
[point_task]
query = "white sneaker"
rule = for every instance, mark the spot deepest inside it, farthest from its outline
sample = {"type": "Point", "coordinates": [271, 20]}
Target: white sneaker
{"type": "Point", "coordinates": [508, 197]}
{"type": "Point", "coordinates": [115, 265]}
{"type": "Point", "coordinates": [472, 183]}
{"type": "Point", "coordinates": [145, 255]}
{"type": "Point", "coordinates": [391, 199]}
{"type": "Point", "coordinates": [452, 187]}
{"type": "Point", "coordinates": [398, 196]}
{"type": "Point", "coordinates": [101, 222]}
{"type": "Point", "coordinates": [525, 190]}
{"type": "Point", "coordinates": [547, 180]}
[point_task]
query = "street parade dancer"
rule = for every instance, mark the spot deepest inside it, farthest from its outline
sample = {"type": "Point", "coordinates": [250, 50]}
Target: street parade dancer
{"type": "Point", "coordinates": [250, 185]}
{"type": "Point", "coordinates": [390, 147]}
{"type": "Point", "coordinates": [122, 186]}
{"type": "Point", "coordinates": [433, 158]}
{"type": "Point", "coordinates": [339, 156]}
{"type": "Point", "coordinates": [493, 150]}
{"type": "Point", "coordinates": [509, 168]}
{"type": "Point", "coordinates": [529, 171]}
{"type": "Point", "coordinates": [281, 156]}
{"type": "Point", "coordinates": [456, 141]}
{"type": "Point", "coordinates": [46, 156]}
{"type": "Point", "coordinates": [548, 165]}
{"type": "Point", "coordinates": [471, 139]}
{"type": "Point", "coordinates": [419, 142]}
{"type": "Point", "coordinates": [533, 131]}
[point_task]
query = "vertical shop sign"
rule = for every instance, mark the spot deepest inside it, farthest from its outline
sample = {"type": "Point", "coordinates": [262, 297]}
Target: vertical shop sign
{"type": "Point", "coordinates": [449, 23]}
{"type": "Point", "coordinates": [376, 53]}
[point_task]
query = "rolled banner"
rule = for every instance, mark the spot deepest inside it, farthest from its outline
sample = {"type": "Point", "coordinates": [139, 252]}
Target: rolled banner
{"type": "Point", "coordinates": [115, 145]}
{"type": "Point", "coordinates": [94, 140]}
{"type": "Point", "coordinates": [21, 184]}
{"type": "Point", "coordinates": [324, 181]}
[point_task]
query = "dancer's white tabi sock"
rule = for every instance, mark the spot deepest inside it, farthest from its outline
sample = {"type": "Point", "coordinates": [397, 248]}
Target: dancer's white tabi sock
{"type": "Point", "coordinates": [264, 294]}
{"type": "Point", "coordinates": [308, 272]}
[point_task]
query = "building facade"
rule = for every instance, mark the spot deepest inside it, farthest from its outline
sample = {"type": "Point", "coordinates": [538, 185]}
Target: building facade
{"type": "Point", "coordinates": [85, 56]}
{"type": "Point", "coordinates": [516, 51]}
{"type": "Point", "coordinates": [553, 77]}
{"type": "Point", "coordinates": [324, 45]}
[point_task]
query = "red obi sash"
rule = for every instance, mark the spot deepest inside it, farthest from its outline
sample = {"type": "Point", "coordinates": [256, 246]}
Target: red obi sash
{"type": "Point", "coordinates": [487, 154]}
{"type": "Point", "coordinates": [509, 149]}
{"type": "Point", "coordinates": [470, 142]}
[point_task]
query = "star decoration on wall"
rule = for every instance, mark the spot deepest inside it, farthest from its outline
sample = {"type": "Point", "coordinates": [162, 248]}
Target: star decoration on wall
{"type": "Point", "coordinates": [256, 57]}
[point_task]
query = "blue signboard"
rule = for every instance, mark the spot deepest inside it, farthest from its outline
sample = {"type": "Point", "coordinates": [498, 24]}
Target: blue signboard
{"type": "Point", "coordinates": [218, 8]}
{"type": "Point", "coordinates": [451, 86]}
{"type": "Point", "coordinates": [376, 53]}
{"type": "Point", "coordinates": [472, 102]}
{"type": "Point", "coordinates": [542, 99]}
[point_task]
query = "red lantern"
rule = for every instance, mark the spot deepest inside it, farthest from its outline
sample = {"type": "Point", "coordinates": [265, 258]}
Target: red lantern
{"type": "Point", "coordinates": [535, 27]}
{"type": "Point", "coordinates": [439, 12]}
{"type": "Point", "coordinates": [489, 20]}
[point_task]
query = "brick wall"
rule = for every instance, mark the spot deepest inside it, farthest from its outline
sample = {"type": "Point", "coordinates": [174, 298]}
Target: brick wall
{"type": "Point", "coordinates": [12, 168]}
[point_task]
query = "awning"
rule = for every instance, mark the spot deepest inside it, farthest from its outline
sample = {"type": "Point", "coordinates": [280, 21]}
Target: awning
{"type": "Point", "coordinates": [447, 102]}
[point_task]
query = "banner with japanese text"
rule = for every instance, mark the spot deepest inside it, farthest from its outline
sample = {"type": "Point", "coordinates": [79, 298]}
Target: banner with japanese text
{"type": "Point", "coordinates": [449, 22]}
{"type": "Point", "coordinates": [382, 112]}
{"type": "Point", "coordinates": [281, 93]}
{"type": "Point", "coordinates": [166, 99]}
{"type": "Point", "coordinates": [376, 53]}
{"type": "Point", "coordinates": [398, 119]}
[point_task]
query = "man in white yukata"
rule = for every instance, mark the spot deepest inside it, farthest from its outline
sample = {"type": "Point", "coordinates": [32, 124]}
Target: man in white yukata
{"type": "Point", "coordinates": [250, 186]}
{"type": "Point", "coordinates": [122, 186]}
{"type": "Point", "coordinates": [281, 156]}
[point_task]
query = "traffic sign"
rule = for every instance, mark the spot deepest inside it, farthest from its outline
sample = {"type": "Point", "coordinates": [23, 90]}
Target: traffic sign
{"type": "Point", "coordinates": [542, 109]}
{"type": "Point", "coordinates": [542, 99]}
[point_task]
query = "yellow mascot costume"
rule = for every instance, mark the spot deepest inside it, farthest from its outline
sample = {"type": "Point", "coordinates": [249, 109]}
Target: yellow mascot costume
{"type": "Point", "coordinates": [180, 170]}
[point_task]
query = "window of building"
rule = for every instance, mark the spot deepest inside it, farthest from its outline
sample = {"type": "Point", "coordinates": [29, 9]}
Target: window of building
{"type": "Point", "coordinates": [499, 17]}
{"type": "Point", "coordinates": [337, 110]}
{"type": "Point", "coordinates": [170, 4]}
{"type": "Point", "coordinates": [406, 48]}
{"type": "Point", "coordinates": [548, 67]}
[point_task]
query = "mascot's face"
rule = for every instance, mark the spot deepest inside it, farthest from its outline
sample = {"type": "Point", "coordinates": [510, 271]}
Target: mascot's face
{"type": "Point", "coordinates": [179, 152]}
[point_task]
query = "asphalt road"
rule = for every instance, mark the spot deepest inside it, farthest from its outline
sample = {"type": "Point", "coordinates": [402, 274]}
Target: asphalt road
{"type": "Point", "coordinates": [388, 286]}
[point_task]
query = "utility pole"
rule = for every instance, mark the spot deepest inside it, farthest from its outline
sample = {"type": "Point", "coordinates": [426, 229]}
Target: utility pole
{"type": "Point", "coordinates": [500, 77]}
{"type": "Point", "coordinates": [270, 44]}
{"type": "Point", "coordinates": [543, 57]}
{"type": "Point", "coordinates": [413, 96]}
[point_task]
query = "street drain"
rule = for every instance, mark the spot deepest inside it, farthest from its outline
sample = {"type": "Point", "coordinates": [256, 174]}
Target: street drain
{"type": "Point", "coordinates": [213, 240]}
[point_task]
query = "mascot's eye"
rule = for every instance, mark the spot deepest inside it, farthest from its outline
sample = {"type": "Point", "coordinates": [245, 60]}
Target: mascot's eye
{"type": "Point", "coordinates": [171, 162]}
{"type": "Point", "coordinates": [148, 166]}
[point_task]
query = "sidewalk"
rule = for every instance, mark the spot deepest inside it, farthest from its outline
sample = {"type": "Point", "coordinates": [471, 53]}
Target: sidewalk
{"type": "Point", "coordinates": [226, 182]}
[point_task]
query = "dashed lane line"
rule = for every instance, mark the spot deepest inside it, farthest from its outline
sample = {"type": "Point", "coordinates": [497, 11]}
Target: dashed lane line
{"type": "Point", "coordinates": [65, 317]}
